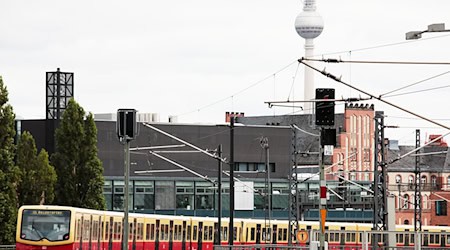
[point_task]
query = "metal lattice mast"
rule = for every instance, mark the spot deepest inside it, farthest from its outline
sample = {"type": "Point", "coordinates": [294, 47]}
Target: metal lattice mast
{"type": "Point", "coordinates": [417, 191]}
{"type": "Point", "coordinates": [380, 199]}
{"type": "Point", "coordinates": [293, 196]}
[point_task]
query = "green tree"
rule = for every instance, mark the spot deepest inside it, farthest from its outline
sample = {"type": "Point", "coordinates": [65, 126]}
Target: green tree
{"type": "Point", "coordinates": [38, 177]}
{"type": "Point", "coordinates": [8, 172]}
{"type": "Point", "coordinates": [79, 170]}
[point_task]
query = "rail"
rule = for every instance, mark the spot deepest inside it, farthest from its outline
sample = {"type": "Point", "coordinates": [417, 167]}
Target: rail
{"type": "Point", "coordinates": [7, 247]}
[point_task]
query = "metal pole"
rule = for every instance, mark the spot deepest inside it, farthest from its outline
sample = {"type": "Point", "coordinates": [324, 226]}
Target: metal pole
{"type": "Point", "coordinates": [417, 189]}
{"type": "Point", "coordinates": [125, 207]}
{"type": "Point", "coordinates": [323, 193]}
{"type": "Point", "coordinates": [219, 193]}
{"type": "Point", "coordinates": [231, 223]}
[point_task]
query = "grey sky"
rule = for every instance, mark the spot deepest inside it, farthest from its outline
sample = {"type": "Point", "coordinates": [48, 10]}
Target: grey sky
{"type": "Point", "coordinates": [176, 57]}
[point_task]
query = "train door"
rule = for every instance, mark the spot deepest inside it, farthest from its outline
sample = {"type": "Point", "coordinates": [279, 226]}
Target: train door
{"type": "Point", "coordinates": [200, 235]}
{"type": "Point", "coordinates": [342, 237]}
{"type": "Point", "coordinates": [90, 231]}
{"type": "Point", "coordinates": [133, 233]}
{"type": "Point", "coordinates": [258, 234]}
{"type": "Point", "coordinates": [158, 224]}
{"type": "Point", "coordinates": [443, 238]}
{"type": "Point", "coordinates": [82, 232]}
{"type": "Point", "coordinates": [183, 236]}
{"type": "Point", "coordinates": [425, 238]}
{"type": "Point", "coordinates": [171, 235]}
{"type": "Point", "coordinates": [110, 233]}
{"type": "Point", "coordinates": [407, 235]}
{"type": "Point", "coordinates": [274, 234]}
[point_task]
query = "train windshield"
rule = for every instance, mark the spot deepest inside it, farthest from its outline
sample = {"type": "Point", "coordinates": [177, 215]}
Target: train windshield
{"type": "Point", "coordinates": [52, 225]}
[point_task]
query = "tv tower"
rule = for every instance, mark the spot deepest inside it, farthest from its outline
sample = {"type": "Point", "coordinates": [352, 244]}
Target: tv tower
{"type": "Point", "coordinates": [309, 25]}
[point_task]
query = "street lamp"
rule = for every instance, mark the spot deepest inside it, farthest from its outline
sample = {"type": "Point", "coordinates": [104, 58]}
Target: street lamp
{"type": "Point", "coordinates": [436, 27]}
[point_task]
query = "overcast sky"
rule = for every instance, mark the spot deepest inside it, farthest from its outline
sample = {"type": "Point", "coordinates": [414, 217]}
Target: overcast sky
{"type": "Point", "coordinates": [197, 59]}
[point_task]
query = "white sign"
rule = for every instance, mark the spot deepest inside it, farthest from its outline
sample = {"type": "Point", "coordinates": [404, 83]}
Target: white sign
{"type": "Point", "coordinates": [328, 150]}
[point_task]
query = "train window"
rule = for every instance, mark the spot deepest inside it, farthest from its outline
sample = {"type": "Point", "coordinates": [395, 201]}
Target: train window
{"type": "Point", "coordinates": [285, 234]}
{"type": "Point", "coordinates": [86, 228]}
{"type": "Point", "coordinates": [337, 237]}
{"type": "Point", "coordinates": [140, 231]}
{"type": "Point", "coordinates": [102, 230]}
{"type": "Point", "coordinates": [432, 241]}
{"type": "Point", "coordinates": [107, 230]}
{"type": "Point", "coordinates": [252, 234]}
{"type": "Point", "coordinates": [210, 233]}
{"type": "Point", "coordinates": [147, 231]}
{"type": "Point", "coordinates": [164, 232]}
{"type": "Point", "coordinates": [225, 233]}
{"type": "Point", "coordinates": [280, 234]}
{"type": "Point", "coordinates": [267, 234]}
{"type": "Point", "coordinates": [448, 239]}
{"type": "Point", "coordinates": [347, 237]}
{"type": "Point", "coordinates": [131, 231]}
{"type": "Point", "coordinates": [412, 238]}
{"type": "Point", "coordinates": [400, 238]}
{"type": "Point", "coordinates": [234, 233]}
{"type": "Point", "coordinates": [175, 232]}
{"type": "Point", "coordinates": [332, 237]}
{"type": "Point", "coordinates": [94, 230]}
{"type": "Point", "coordinates": [205, 233]}
{"type": "Point", "coordinates": [353, 237]}
{"type": "Point", "coordinates": [188, 233]}
{"type": "Point", "coordinates": [78, 230]}
{"type": "Point", "coordinates": [194, 233]}
{"type": "Point", "coordinates": [180, 232]}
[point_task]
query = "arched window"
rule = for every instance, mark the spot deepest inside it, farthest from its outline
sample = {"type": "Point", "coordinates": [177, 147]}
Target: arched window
{"type": "Point", "coordinates": [433, 181]}
{"type": "Point", "coordinates": [398, 179]}
{"type": "Point", "coordinates": [411, 182]}
{"type": "Point", "coordinates": [406, 222]}
{"type": "Point", "coordinates": [405, 201]}
{"type": "Point", "coordinates": [423, 179]}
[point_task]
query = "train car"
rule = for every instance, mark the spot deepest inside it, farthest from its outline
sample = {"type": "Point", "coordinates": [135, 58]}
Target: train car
{"type": "Point", "coordinates": [70, 228]}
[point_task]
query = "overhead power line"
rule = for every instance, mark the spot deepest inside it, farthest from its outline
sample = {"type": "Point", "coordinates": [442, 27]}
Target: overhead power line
{"type": "Point", "coordinates": [333, 60]}
{"type": "Point", "coordinates": [338, 79]}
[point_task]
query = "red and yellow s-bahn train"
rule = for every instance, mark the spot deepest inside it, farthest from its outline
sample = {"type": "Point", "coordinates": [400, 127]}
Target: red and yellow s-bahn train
{"type": "Point", "coordinates": [70, 228]}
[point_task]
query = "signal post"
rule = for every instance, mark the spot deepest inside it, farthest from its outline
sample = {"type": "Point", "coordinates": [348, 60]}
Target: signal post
{"type": "Point", "coordinates": [126, 129]}
{"type": "Point", "coordinates": [325, 121]}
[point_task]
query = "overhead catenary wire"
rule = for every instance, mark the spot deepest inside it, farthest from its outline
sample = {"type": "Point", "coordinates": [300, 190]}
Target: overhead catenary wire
{"type": "Point", "coordinates": [338, 79]}
{"type": "Point", "coordinates": [332, 60]}
{"type": "Point", "coordinates": [323, 54]}
{"type": "Point", "coordinates": [415, 83]}
{"type": "Point", "coordinates": [323, 72]}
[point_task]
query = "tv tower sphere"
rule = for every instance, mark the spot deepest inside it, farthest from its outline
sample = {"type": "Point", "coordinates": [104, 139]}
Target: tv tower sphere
{"type": "Point", "coordinates": [309, 24]}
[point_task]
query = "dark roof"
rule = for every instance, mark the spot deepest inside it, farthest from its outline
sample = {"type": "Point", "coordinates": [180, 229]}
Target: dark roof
{"type": "Point", "coordinates": [307, 144]}
{"type": "Point", "coordinates": [428, 162]}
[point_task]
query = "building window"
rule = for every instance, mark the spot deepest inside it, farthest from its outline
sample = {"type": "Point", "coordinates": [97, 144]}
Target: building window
{"type": "Point", "coordinates": [185, 195]}
{"type": "Point", "coordinates": [406, 201]}
{"type": "Point", "coordinates": [144, 195]}
{"type": "Point", "coordinates": [253, 167]}
{"type": "Point", "coordinates": [423, 179]}
{"type": "Point", "coordinates": [280, 196]}
{"type": "Point", "coordinates": [441, 208]}
{"type": "Point", "coordinates": [433, 181]}
{"type": "Point", "coordinates": [204, 195]}
{"type": "Point", "coordinates": [118, 198]}
{"type": "Point", "coordinates": [398, 179]}
{"type": "Point", "coordinates": [411, 185]}
{"type": "Point", "coordinates": [107, 192]}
